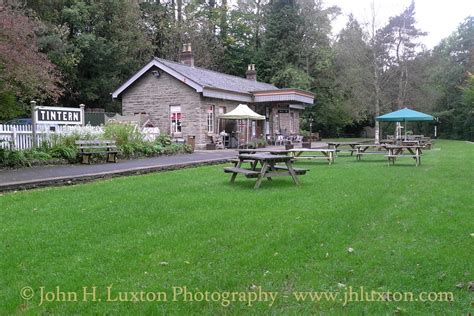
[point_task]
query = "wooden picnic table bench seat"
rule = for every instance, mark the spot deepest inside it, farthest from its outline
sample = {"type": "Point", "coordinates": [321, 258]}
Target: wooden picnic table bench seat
{"type": "Point", "coordinates": [87, 148]}
{"type": "Point", "coordinates": [236, 160]}
{"type": "Point", "coordinates": [298, 171]}
{"type": "Point", "coordinates": [395, 152]}
{"type": "Point", "coordinates": [377, 149]}
{"type": "Point", "coordinates": [246, 172]}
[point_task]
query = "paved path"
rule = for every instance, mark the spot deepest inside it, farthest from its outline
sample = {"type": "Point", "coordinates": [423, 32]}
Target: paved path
{"type": "Point", "coordinates": [14, 179]}
{"type": "Point", "coordinates": [39, 176]}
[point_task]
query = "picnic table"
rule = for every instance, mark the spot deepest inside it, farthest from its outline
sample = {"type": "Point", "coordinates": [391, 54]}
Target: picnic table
{"type": "Point", "coordinates": [269, 168]}
{"type": "Point", "coordinates": [376, 149]}
{"type": "Point", "coordinates": [410, 142]}
{"type": "Point", "coordinates": [396, 151]}
{"type": "Point", "coordinates": [263, 150]}
{"type": "Point", "coordinates": [388, 141]}
{"type": "Point", "coordinates": [324, 153]}
{"type": "Point", "coordinates": [336, 145]}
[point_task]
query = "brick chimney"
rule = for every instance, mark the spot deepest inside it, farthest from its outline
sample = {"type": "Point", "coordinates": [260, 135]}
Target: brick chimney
{"type": "Point", "coordinates": [251, 73]}
{"type": "Point", "coordinates": [187, 56]}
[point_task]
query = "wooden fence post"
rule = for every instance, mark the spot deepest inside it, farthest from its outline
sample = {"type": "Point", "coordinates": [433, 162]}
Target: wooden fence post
{"type": "Point", "coordinates": [82, 106]}
{"type": "Point", "coordinates": [33, 123]}
{"type": "Point", "coordinates": [14, 138]}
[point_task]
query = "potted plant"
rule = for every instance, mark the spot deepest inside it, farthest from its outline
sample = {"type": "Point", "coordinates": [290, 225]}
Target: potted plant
{"type": "Point", "coordinates": [261, 143]}
{"type": "Point", "coordinates": [306, 136]}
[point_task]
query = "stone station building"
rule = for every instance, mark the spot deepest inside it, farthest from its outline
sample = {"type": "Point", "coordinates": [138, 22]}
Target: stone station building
{"type": "Point", "coordinates": [184, 100]}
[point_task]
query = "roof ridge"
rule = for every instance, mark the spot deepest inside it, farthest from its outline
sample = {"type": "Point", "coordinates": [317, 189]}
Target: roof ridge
{"type": "Point", "coordinates": [214, 71]}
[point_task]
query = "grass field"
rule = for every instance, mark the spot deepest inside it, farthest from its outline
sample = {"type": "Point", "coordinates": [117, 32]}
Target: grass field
{"type": "Point", "coordinates": [353, 224]}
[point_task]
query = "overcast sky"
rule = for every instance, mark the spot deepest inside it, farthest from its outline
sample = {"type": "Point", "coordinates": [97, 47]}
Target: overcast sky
{"type": "Point", "coordinates": [437, 17]}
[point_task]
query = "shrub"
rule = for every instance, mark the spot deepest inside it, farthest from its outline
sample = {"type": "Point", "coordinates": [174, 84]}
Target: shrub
{"type": "Point", "coordinates": [164, 140]}
{"type": "Point", "coordinates": [65, 152]}
{"type": "Point", "coordinates": [38, 154]}
{"type": "Point", "coordinates": [13, 158]}
{"type": "Point", "coordinates": [123, 134]}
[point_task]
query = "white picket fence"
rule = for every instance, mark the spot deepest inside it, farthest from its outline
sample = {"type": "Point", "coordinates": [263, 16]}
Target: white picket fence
{"type": "Point", "coordinates": [15, 136]}
{"type": "Point", "coordinates": [20, 137]}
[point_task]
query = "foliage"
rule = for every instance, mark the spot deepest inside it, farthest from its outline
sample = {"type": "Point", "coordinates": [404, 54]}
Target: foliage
{"type": "Point", "coordinates": [13, 158]}
{"type": "Point", "coordinates": [353, 62]}
{"type": "Point", "coordinates": [454, 81]}
{"type": "Point", "coordinates": [9, 108]}
{"type": "Point", "coordinates": [24, 70]}
{"type": "Point", "coordinates": [283, 33]}
{"type": "Point", "coordinates": [292, 76]}
{"type": "Point", "coordinates": [123, 134]}
{"type": "Point", "coordinates": [365, 71]}
{"type": "Point", "coordinates": [97, 44]}
{"type": "Point", "coordinates": [129, 139]}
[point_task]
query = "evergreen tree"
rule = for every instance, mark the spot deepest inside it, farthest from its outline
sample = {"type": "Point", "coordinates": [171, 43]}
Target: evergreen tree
{"type": "Point", "coordinates": [283, 36]}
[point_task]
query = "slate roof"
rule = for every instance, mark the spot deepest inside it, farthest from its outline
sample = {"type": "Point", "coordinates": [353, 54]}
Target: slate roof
{"type": "Point", "coordinates": [214, 79]}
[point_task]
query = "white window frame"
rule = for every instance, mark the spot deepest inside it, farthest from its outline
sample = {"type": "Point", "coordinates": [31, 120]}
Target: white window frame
{"type": "Point", "coordinates": [211, 119]}
{"type": "Point", "coordinates": [176, 118]}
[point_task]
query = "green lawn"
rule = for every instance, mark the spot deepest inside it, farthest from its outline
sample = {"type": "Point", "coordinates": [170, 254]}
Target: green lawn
{"type": "Point", "coordinates": [410, 230]}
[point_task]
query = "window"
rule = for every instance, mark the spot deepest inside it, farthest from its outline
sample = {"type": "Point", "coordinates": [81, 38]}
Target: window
{"type": "Point", "coordinates": [210, 119]}
{"type": "Point", "coordinates": [175, 118]}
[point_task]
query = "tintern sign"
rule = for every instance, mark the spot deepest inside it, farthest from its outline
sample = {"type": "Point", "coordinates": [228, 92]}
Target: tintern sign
{"type": "Point", "coordinates": [58, 115]}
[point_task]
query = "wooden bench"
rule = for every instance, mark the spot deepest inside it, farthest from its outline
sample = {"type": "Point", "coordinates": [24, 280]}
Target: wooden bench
{"type": "Point", "coordinates": [392, 158]}
{"type": "Point", "coordinates": [377, 149]}
{"type": "Point", "coordinates": [360, 154]}
{"type": "Point", "coordinates": [298, 171]}
{"type": "Point", "coordinates": [246, 172]}
{"type": "Point", "coordinates": [235, 161]}
{"type": "Point", "coordinates": [87, 148]}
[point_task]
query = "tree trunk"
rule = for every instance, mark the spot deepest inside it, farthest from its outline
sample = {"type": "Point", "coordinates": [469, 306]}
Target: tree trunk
{"type": "Point", "coordinates": [376, 78]}
{"type": "Point", "coordinates": [376, 84]}
{"type": "Point", "coordinates": [223, 22]}
{"type": "Point", "coordinates": [180, 11]}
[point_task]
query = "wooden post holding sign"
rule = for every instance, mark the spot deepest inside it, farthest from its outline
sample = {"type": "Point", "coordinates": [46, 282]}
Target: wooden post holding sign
{"type": "Point", "coordinates": [33, 123]}
{"type": "Point", "coordinates": [55, 115]}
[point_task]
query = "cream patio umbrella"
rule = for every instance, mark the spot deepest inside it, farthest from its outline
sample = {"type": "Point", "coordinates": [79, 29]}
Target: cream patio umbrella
{"type": "Point", "coordinates": [243, 112]}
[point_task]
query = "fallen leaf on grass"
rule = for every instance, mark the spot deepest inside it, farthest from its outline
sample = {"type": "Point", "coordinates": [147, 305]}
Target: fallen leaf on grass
{"type": "Point", "coordinates": [470, 285]}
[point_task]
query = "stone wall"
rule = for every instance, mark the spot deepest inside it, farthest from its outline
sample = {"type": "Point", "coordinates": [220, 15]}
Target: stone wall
{"type": "Point", "coordinates": [286, 123]}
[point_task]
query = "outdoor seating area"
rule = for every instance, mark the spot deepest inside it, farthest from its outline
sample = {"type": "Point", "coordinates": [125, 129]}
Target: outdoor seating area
{"type": "Point", "coordinates": [267, 158]}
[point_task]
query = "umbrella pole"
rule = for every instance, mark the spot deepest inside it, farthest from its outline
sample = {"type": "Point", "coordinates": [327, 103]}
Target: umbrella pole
{"type": "Point", "coordinates": [405, 130]}
{"type": "Point", "coordinates": [247, 133]}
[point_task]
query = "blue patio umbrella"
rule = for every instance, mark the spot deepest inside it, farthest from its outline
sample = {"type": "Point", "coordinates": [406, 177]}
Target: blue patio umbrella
{"type": "Point", "coordinates": [404, 115]}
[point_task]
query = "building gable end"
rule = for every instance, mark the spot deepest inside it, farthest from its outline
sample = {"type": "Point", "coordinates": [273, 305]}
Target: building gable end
{"type": "Point", "coordinates": [147, 67]}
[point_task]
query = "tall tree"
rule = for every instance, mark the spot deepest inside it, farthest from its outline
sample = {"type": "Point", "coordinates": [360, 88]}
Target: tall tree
{"type": "Point", "coordinates": [106, 42]}
{"type": "Point", "coordinates": [354, 71]}
{"type": "Point", "coordinates": [454, 58]}
{"type": "Point", "coordinates": [280, 49]}
{"type": "Point", "coordinates": [25, 72]}
{"type": "Point", "coordinates": [399, 39]}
